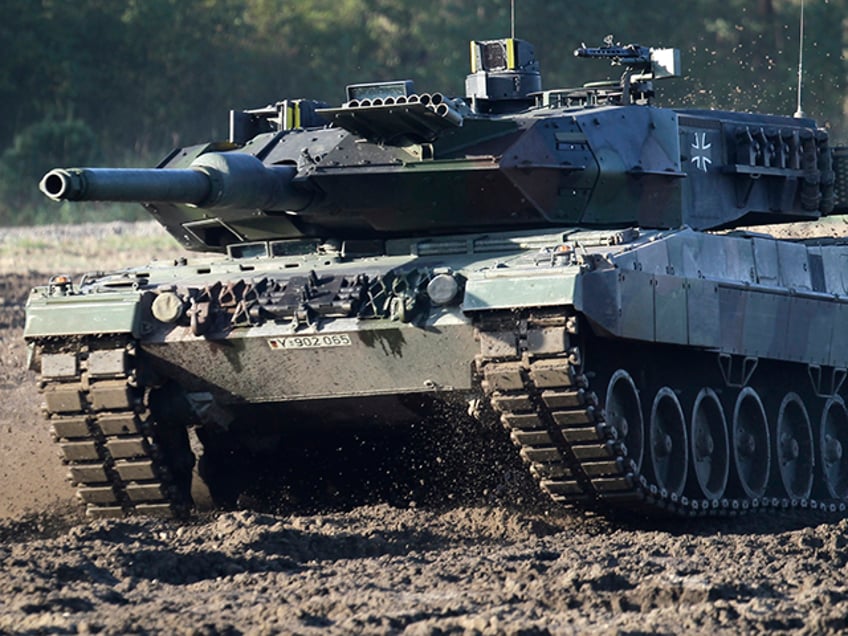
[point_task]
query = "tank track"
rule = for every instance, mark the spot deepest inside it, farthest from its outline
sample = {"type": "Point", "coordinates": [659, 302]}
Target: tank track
{"type": "Point", "coordinates": [107, 437]}
{"type": "Point", "coordinates": [578, 458]}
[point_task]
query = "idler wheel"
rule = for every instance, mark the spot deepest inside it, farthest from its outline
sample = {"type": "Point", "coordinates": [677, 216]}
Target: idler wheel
{"type": "Point", "coordinates": [833, 445]}
{"type": "Point", "coordinates": [668, 448]}
{"type": "Point", "coordinates": [751, 443]}
{"type": "Point", "coordinates": [794, 445]}
{"type": "Point", "coordinates": [709, 446]}
{"type": "Point", "coordinates": [624, 413]}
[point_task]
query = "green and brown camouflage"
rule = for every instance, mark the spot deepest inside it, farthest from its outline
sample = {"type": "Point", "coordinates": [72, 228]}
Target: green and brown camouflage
{"type": "Point", "coordinates": [553, 259]}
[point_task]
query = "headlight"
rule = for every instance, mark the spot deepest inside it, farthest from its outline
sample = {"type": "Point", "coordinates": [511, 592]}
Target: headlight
{"type": "Point", "coordinates": [442, 289]}
{"type": "Point", "coordinates": [167, 307]}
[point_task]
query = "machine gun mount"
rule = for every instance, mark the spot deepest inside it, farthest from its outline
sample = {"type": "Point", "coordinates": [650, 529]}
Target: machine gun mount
{"type": "Point", "coordinates": [642, 65]}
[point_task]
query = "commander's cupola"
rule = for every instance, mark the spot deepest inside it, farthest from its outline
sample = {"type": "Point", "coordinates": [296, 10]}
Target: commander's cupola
{"type": "Point", "coordinates": [504, 75]}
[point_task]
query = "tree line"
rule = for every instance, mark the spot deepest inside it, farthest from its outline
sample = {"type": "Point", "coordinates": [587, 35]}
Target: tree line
{"type": "Point", "coordinates": [120, 83]}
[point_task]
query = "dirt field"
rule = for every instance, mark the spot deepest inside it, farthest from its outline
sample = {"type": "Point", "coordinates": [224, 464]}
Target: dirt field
{"type": "Point", "coordinates": [479, 565]}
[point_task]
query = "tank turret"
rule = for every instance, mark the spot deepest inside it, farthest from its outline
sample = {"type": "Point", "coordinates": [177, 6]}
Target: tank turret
{"type": "Point", "coordinates": [508, 155]}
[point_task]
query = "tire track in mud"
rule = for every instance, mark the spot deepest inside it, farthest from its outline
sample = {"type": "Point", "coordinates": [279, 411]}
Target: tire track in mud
{"type": "Point", "coordinates": [379, 569]}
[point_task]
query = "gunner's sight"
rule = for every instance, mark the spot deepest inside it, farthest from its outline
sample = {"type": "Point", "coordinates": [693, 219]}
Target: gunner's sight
{"type": "Point", "coordinates": [504, 74]}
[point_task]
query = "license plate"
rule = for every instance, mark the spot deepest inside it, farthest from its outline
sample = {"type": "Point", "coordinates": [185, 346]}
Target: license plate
{"type": "Point", "coordinates": [311, 341]}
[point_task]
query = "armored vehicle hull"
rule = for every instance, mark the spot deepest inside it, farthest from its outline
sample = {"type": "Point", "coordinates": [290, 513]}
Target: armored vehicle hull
{"type": "Point", "coordinates": [673, 370]}
{"type": "Point", "coordinates": [556, 261]}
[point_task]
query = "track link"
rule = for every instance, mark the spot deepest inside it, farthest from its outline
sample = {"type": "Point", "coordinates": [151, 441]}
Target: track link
{"type": "Point", "coordinates": [107, 438]}
{"type": "Point", "coordinates": [531, 369]}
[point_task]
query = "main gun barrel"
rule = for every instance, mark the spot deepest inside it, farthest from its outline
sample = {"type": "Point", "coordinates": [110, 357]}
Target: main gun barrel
{"type": "Point", "coordinates": [214, 180]}
{"type": "Point", "coordinates": [126, 184]}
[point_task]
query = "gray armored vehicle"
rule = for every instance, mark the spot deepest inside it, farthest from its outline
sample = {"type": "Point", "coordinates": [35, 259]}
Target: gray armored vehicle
{"type": "Point", "coordinates": [564, 261]}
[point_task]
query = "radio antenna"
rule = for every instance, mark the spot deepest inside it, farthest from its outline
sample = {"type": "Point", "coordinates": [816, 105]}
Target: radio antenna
{"type": "Point", "coordinates": [512, 19]}
{"type": "Point", "coordinates": [799, 112]}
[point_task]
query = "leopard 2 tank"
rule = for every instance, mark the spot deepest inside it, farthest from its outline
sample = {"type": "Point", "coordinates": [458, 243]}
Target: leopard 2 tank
{"type": "Point", "coordinates": [564, 261]}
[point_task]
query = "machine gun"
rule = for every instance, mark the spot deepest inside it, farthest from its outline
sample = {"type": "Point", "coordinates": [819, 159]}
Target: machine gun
{"type": "Point", "coordinates": [642, 66]}
{"type": "Point", "coordinates": [631, 55]}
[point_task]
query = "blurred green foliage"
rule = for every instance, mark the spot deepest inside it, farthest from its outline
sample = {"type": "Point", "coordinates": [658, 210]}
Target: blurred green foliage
{"type": "Point", "coordinates": [30, 156]}
{"type": "Point", "coordinates": [123, 82]}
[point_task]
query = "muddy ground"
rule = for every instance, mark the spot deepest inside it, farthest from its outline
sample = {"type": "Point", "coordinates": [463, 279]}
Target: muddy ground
{"type": "Point", "coordinates": [484, 562]}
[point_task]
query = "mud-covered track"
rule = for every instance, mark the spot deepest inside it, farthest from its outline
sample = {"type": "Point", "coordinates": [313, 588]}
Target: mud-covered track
{"type": "Point", "coordinates": [594, 445]}
{"type": "Point", "coordinates": [107, 438]}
